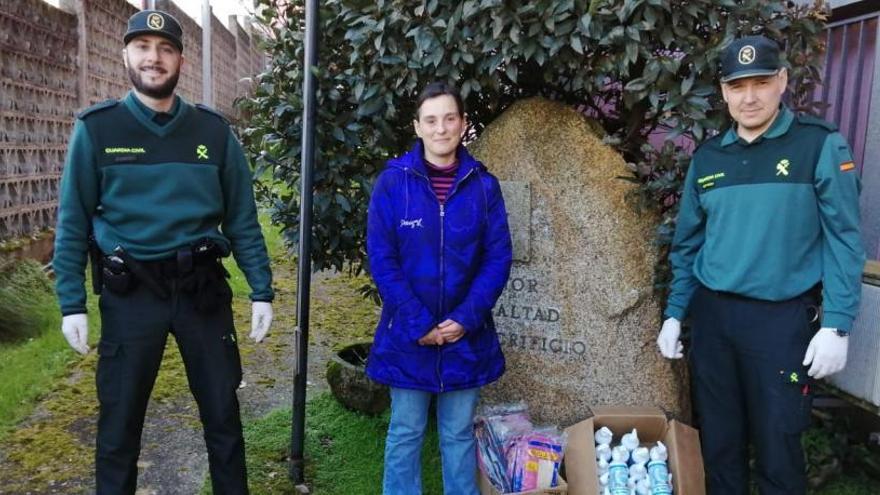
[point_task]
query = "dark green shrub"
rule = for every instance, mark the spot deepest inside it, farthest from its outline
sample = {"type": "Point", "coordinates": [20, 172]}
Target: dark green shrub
{"type": "Point", "coordinates": [637, 66]}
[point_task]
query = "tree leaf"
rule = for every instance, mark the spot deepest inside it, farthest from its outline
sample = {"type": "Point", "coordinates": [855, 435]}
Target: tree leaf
{"type": "Point", "coordinates": [576, 44]}
{"type": "Point", "coordinates": [511, 72]}
{"type": "Point", "coordinates": [370, 107]}
{"type": "Point", "coordinates": [687, 83]}
{"type": "Point", "coordinates": [638, 84]}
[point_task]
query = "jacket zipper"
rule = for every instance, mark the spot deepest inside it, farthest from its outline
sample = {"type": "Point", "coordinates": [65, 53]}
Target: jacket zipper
{"type": "Point", "coordinates": [442, 286]}
{"type": "Point", "coordinates": [442, 264]}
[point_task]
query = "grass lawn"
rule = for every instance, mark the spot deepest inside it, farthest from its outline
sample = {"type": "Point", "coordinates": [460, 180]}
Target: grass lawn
{"type": "Point", "coordinates": [30, 369]}
{"type": "Point", "coordinates": [344, 451]}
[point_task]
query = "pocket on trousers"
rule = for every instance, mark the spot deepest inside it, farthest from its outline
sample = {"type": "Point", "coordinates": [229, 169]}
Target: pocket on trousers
{"type": "Point", "coordinates": [797, 386]}
{"type": "Point", "coordinates": [233, 357]}
{"type": "Point", "coordinates": [108, 378]}
{"type": "Point", "coordinates": [798, 403]}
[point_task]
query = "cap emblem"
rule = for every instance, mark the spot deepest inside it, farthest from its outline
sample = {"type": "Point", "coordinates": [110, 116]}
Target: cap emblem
{"type": "Point", "coordinates": [157, 22]}
{"type": "Point", "coordinates": [746, 55]}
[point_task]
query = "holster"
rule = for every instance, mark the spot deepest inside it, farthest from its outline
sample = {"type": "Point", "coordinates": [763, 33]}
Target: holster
{"type": "Point", "coordinates": [116, 275]}
{"type": "Point", "coordinates": [142, 274]}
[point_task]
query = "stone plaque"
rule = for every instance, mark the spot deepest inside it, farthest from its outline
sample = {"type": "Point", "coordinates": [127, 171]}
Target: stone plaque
{"type": "Point", "coordinates": [578, 319]}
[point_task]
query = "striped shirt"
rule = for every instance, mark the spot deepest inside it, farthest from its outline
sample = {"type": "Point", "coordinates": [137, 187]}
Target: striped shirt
{"type": "Point", "coordinates": [442, 179]}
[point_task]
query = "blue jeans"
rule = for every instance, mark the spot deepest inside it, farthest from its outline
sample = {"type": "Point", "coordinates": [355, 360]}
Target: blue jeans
{"type": "Point", "coordinates": [403, 445]}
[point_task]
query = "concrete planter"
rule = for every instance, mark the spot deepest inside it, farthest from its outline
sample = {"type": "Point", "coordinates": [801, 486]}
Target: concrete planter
{"type": "Point", "coordinates": [346, 374]}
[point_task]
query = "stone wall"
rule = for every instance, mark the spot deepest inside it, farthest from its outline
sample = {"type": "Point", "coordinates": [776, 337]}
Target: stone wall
{"type": "Point", "coordinates": [38, 99]}
{"type": "Point", "coordinates": [105, 23]}
{"type": "Point", "coordinates": [52, 66]}
{"type": "Point", "coordinates": [223, 70]}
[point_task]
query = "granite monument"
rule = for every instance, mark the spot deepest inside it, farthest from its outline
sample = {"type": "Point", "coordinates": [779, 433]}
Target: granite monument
{"type": "Point", "coordinates": [579, 318]}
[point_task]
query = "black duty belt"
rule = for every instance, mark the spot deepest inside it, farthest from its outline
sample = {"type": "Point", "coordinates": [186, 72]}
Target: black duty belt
{"type": "Point", "coordinates": [197, 268]}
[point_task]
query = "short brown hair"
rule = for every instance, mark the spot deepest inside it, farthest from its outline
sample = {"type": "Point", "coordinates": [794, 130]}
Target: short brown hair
{"type": "Point", "coordinates": [440, 88]}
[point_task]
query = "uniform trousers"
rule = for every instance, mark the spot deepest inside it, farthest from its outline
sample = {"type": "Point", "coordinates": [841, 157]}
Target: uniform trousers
{"type": "Point", "coordinates": [135, 326]}
{"type": "Point", "coordinates": [751, 388]}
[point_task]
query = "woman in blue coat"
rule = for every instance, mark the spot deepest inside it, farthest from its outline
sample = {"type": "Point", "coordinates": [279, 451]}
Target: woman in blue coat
{"type": "Point", "coordinates": [440, 253]}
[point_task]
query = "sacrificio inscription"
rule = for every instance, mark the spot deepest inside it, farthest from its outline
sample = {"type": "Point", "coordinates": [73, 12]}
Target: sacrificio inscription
{"type": "Point", "coordinates": [525, 323]}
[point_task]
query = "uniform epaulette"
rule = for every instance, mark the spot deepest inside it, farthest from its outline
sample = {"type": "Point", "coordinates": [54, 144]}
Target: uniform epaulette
{"type": "Point", "coordinates": [97, 107]}
{"type": "Point", "coordinates": [807, 119]}
{"type": "Point", "coordinates": [210, 110]}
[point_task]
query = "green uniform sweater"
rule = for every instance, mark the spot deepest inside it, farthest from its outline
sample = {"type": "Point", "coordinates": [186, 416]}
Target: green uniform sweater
{"type": "Point", "coordinates": [153, 189]}
{"type": "Point", "coordinates": [772, 218]}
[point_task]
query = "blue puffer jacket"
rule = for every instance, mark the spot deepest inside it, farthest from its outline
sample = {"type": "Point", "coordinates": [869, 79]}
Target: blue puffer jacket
{"type": "Point", "coordinates": [433, 262]}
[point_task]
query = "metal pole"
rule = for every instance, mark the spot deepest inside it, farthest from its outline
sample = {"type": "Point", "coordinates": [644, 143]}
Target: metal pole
{"type": "Point", "coordinates": [304, 272]}
{"type": "Point", "coordinates": [207, 84]}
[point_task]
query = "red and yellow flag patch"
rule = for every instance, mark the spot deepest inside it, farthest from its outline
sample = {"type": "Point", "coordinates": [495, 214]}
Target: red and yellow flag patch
{"type": "Point", "coordinates": [847, 166]}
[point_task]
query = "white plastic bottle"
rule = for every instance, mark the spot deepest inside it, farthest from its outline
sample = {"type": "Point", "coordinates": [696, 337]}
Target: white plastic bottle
{"type": "Point", "coordinates": [630, 440]}
{"type": "Point", "coordinates": [603, 451]}
{"type": "Point", "coordinates": [618, 472]}
{"type": "Point", "coordinates": [641, 455]}
{"type": "Point", "coordinates": [603, 436]}
{"type": "Point", "coordinates": [637, 471]}
{"type": "Point", "coordinates": [658, 471]}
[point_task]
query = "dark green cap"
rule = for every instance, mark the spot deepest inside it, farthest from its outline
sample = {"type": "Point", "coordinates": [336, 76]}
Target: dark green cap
{"type": "Point", "coordinates": [157, 23]}
{"type": "Point", "coordinates": [748, 57]}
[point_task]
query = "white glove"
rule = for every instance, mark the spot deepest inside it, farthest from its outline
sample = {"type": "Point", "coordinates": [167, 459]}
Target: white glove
{"type": "Point", "coordinates": [668, 342]}
{"type": "Point", "coordinates": [76, 330]}
{"type": "Point", "coordinates": [827, 352]}
{"type": "Point", "coordinates": [261, 319]}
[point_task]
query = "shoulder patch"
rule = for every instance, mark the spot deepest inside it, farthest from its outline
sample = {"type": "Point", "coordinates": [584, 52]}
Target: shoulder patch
{"type": "Point", "coordinates": [206, 108]}
{"type": "Point", "coordinates": [807, 119]}
{"type": "Point", "coordinates": [97, 107]}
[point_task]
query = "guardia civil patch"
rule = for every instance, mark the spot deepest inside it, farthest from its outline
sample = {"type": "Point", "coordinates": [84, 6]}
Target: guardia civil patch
{"type": "Point", "coordinates": [708, 181]}
{"type": "Point", "coordinates": [847, 166]}
{"type": "Point", "coordinates": [782, 167]}
{"type": "Point", "coordinates": [155, 21]}
{"type": "Point", "coordinates": [202, 152]}
{"type": "Point", "coordinates": [124, 150]}
{"type": "Point", "coordinates": [746, 55]}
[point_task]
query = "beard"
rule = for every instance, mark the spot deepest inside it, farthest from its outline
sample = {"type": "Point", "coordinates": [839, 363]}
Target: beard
{"type": "Point", "coordinates": [161, 91]}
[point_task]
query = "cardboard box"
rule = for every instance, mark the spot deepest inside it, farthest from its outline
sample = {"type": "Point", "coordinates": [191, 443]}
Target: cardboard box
{"type": "Point", "coordinates": [486, 488]}
{"type": "Point", "coordinates": [683, 442]}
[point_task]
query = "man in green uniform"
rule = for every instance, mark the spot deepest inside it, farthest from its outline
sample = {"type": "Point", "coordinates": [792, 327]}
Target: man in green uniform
{"type": "Point", "coordinates": [767, 261]}
{"type": "Point", "coordinates": [158, 190]}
